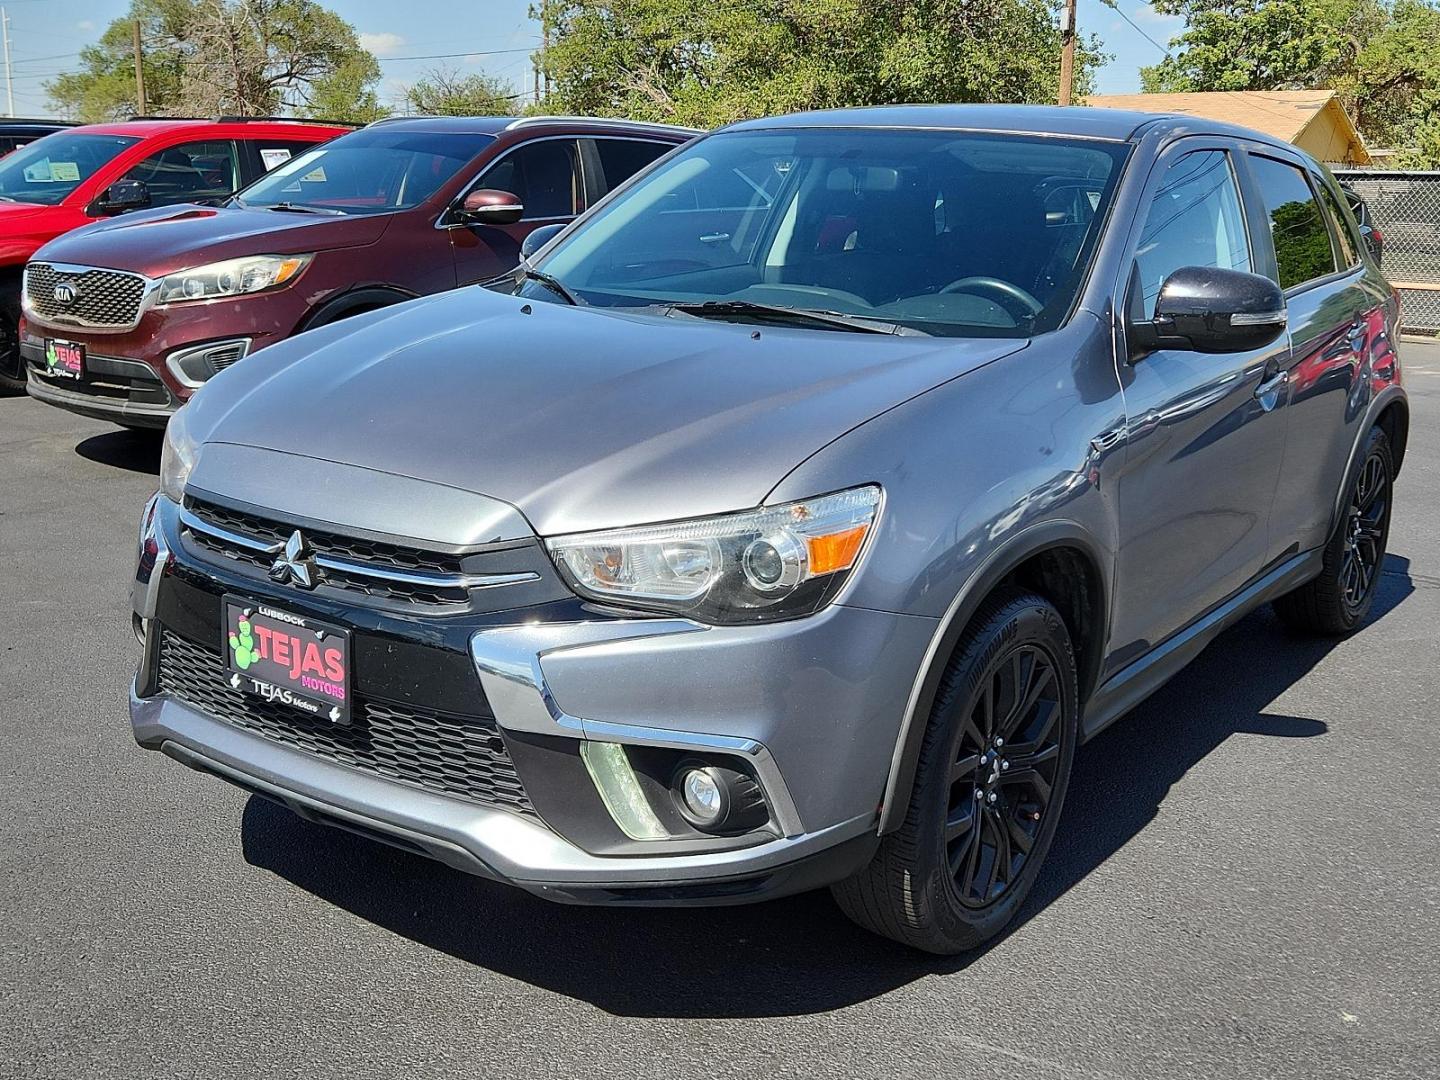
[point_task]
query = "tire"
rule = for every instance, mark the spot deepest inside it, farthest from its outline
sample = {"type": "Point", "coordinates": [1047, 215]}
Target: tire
{"type": "Point", "coordinates": [1339, 599]}
{"type": "Point", "coordinates": [934, 884]}
{"type": "Point", "coordinates": [12, 365]}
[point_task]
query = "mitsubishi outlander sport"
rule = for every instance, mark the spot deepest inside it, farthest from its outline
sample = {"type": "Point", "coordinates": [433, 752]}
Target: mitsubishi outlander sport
{"type": "Point", "coordinates": [790, 519]}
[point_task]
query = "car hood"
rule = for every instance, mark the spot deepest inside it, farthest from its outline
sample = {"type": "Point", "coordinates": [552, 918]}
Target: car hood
{"type": "Point", "coordinates": [581, 418]}
{"type": "Point", "coordinates": [171, 238]}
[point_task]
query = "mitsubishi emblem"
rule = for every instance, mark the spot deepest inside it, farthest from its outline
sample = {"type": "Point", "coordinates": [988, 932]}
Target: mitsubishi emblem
{"type": "Point", "coordinates": [294, 563]}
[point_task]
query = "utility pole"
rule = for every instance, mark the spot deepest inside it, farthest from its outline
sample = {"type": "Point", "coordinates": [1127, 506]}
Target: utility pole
{"type": "Point", "coordinates": [139, 67]}
{"type": "Point", "coordinates": [1067, 54]}
{"type": "Point", "coordinates": [9, 83]}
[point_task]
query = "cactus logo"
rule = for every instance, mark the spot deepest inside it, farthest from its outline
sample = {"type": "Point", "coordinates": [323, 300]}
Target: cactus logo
{"type": "Point", "coordinates": [242, 644]}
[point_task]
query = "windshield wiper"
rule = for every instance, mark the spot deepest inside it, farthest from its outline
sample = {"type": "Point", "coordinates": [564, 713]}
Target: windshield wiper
{"type": "Point", "coordinates": [836, 320]}
{"type": "Point", "coordinates": [300, 208]}
{"type": "Point", "coordinates": [550, 283]}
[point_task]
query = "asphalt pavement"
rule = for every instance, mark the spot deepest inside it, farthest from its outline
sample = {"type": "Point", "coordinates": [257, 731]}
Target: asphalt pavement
{"type": "Point", "coordinates": [1246, 882]}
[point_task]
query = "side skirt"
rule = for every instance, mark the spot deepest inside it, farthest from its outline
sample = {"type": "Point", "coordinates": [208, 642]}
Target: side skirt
{"type": "Point", "coordinates": [1132, 684]}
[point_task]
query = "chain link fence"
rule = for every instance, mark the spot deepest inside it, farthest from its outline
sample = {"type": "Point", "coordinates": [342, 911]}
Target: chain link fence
{"type": "Point", "coordinates": [1405, 207]}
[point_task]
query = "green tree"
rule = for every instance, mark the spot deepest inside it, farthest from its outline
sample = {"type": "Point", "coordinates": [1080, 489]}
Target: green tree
{"type": "Point", "coordinates": [447, 92]}
{"type": "Point", "coordinates": [714, 63]}
{"type": "Point", "coordinates": [206, 57]}
{"type": "Point", "coordinates": [1381, 56]}
{"type": "Point", "coordinates": [104, 87]}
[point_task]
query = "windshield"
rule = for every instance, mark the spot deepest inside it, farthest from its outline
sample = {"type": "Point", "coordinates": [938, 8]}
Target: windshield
{"type": "Point", "coordinates": [937, 231]}
{"type": "Point", "coordinates": [51, 168]}
{"type": "Point", "coordinates": [373, 171]}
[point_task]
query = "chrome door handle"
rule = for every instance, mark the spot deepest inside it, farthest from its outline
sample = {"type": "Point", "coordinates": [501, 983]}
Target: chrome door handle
{"type": "Point", "coordinates": [1272, 384]}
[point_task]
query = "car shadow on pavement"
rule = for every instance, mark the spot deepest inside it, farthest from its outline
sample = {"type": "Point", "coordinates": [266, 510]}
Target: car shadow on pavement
{"type": "Point", "coordinates": [798, 955]}
{"type": "Point", "coordinates": [135, 450]}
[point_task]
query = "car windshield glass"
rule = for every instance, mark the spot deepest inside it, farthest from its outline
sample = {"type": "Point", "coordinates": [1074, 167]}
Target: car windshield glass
{"type": "Point", "coordinates": [51, 168]}
{"type": "Point", "coordinates": [374, 171]}
{"type": "Point", "coordinates": [948, 233]}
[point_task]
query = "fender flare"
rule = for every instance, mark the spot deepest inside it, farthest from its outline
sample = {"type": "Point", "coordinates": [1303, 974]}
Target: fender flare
{"type": "Point", "coordinates": [1026, 544]}
{"type": "Point", "coordinates": [1387, 397]}
{"type": "Point", "coordinates": [348, 303]}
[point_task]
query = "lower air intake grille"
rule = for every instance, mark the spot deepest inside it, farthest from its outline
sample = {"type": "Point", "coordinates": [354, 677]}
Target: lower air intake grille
{"type": "Point", "coordinates": [456, 755]}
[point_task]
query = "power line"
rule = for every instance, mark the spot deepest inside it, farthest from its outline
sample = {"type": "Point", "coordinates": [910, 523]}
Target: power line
{"type": "Point", "coordinates": [458, 55]}
{"type": "Point", "coordinates": [1115, 7]}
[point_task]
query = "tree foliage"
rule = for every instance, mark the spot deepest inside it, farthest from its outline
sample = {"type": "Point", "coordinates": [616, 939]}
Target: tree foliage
{"type": "Point", "coordinates": [211, 57]}
{"type": "Point", "coordinates": [730, 59]}
{"type": "Point", "coordinates": [447, 92]}
{"type": "Point", "coordinates": [1381, 56]}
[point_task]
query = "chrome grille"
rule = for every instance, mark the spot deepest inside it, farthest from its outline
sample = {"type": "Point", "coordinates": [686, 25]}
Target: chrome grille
{"type": "Point", "coordinates": [388, 572]}
{"type": "Point", "coordinates": [463, 756]}
{"type": "Point", "coordinates": [104, 299]}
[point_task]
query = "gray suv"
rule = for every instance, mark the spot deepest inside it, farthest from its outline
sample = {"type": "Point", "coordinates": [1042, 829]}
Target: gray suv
{"type": "Point", "coordinates": [652, 575]}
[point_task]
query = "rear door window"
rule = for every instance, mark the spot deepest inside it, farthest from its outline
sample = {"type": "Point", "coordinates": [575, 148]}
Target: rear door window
{"type": "Point", "coordinates": [621, 159]}
{"type": "Point", "coordinates": [1194, 220]}
{"type": "Point", "coordinates": [544, 175]}
{"type": "Point", "coordinates": [1302, 239]}
{"type": "Point", "coordinates": [189, 172]}
{"type": "Point", "coordinates": [275, 152]}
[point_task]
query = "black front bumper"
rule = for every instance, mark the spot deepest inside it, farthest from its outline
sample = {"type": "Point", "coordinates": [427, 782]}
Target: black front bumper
{"type": "Point", "coordinates": [124, 391]}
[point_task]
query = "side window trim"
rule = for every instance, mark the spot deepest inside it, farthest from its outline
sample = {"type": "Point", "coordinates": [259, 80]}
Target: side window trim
{"type": "Point", "coordinates": [1334, 207]}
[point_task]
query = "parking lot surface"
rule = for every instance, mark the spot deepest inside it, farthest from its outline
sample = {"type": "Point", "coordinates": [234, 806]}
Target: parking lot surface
{"type": "Point", "coordinates": [1246, 882]}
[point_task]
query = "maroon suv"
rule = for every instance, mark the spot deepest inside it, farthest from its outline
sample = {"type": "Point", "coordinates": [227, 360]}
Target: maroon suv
{"type": "Point", "coordinates": [124, 319]}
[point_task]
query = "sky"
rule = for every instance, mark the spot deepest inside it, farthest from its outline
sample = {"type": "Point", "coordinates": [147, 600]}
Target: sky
{"type": "Point", "coordinates": [412, 38]}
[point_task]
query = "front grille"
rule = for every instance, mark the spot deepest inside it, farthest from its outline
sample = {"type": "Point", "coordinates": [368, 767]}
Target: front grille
{"type": "Point", "coordinates": [343, 547]}
{"type": "Point", "coordinates": [463, 756]}
{"type": "Point", "coordinates": [104, 299]}
{"type": "Point", "coordinates": [372, 558]}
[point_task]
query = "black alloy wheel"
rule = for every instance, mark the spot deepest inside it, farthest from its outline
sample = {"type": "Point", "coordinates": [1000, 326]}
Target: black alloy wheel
{"type": "Point", "coordinates": [1366, 524]}
{"type": "Point", "coordinates": [1005, 772]}
{"type": "Point", "coordinates": [1339, 598]}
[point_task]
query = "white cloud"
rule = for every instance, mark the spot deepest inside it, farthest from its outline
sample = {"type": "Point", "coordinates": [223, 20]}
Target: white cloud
{"type": "Point", "coordinates": [1147, 14]}
{"type": "Point", "coordinates": [383, 43]}
{"type": "Point", "coordinates": [85, 24]}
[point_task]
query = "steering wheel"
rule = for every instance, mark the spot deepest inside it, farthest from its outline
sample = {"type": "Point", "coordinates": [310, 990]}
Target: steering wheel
{"type": "Point", "coordinates": [1011, 297]}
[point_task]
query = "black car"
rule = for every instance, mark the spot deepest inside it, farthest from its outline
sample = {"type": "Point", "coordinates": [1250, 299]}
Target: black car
{"type": "Point", "coordinates": [15, 133]}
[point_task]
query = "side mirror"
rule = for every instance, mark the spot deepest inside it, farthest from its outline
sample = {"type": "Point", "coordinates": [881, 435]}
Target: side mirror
{"type": "Point", "coordinates": [1208, 310]}
{"type": "Point", "coordinates": [124, 195]}
{"type": "Point", "coordinates": [487, 206]}
{"type": "Point", "coordinates": [1374, 242]}
{"type": "Point", "coordinates": [538, 238]}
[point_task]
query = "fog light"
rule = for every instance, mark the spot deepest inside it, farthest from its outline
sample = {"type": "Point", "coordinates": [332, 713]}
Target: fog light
{"type": "Point", "coordinates": [705, 799]}
{"type": "Point", "coordinates": [718, 799]}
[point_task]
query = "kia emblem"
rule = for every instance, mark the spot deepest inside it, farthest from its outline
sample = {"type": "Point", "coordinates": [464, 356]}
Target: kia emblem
{"type": "Point", "coordinates": [65, 293]}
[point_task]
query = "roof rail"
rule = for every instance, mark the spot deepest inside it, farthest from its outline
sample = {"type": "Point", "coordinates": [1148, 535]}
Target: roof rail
{"type": "Point", "coordinates": [603, 121]}
{"type": "Point", "coordinates": [253, 120]}
{"type": "Point", "coordinates": [285, 120]}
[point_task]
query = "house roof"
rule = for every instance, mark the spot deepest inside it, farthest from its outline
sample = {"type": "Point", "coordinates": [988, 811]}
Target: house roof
{"type": "Point", "coordinates": [1281, 114]}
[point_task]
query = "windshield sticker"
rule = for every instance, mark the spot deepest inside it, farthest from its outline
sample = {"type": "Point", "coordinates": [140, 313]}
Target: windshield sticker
{"type": "Point", "coordinates": [38, 173]}
{"type": "Point", "coordinates": [273, 156]}
{"type": "Point", "coordinates": [65, 171]}
{"type": "Point", "coordinates": [315, 175]}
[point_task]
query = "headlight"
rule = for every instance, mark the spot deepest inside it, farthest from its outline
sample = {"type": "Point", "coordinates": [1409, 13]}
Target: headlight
{"type": "Point", "coordinates": [233, 277]}
{"type": "Point", "coordinates": [177, 456]}
{"type": "Point", "coordinates": [773, 563]}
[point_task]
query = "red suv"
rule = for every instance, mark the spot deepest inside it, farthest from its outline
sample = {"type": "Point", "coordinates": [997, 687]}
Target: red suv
{"type": "Point", "coordinates": [124, 320]}
{"type": "Point", "coordinates": [81, 174]}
